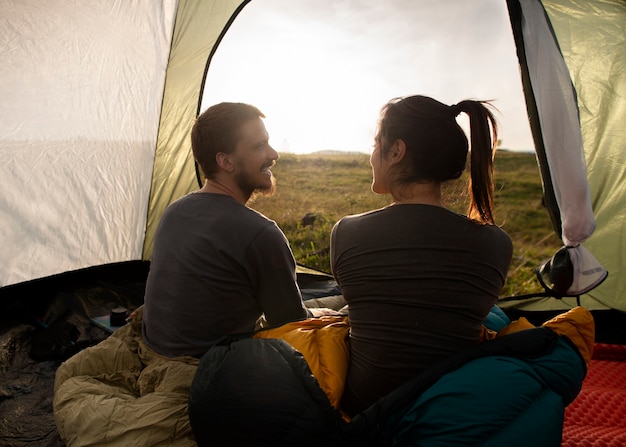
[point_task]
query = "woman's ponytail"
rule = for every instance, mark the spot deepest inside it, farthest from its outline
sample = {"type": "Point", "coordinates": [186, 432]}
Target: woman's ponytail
{"type": "Point", "coordinates": [483, 141]}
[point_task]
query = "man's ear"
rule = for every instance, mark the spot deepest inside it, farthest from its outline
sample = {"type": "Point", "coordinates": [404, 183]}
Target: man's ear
{"type": "Point", "coordinates": [224, 161]}
{"type": "Point", "coordinates": [397, 151]}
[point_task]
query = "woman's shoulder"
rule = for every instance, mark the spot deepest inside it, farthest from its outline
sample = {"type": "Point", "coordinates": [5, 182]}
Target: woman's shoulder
{"type": "Point", "coordinates": [483, 232]}
{"type": "Point", "coordinates": [498, 239]}
{"type": "Point", "coordinates": [497, 231]}
{"type": "Point", "coordinates": [353, 219]}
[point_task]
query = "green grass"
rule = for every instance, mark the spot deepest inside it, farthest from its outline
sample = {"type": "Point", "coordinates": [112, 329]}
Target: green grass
{"type": "Point", "coordinates": [330, 186]}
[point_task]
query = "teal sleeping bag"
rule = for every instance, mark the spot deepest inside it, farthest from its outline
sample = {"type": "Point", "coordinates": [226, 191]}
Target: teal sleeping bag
{"type": "Point", "coordinates": [494, 401]}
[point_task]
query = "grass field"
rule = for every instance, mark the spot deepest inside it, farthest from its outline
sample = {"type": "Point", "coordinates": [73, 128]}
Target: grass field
{"type": "Point", "coordinates": [316, 190]}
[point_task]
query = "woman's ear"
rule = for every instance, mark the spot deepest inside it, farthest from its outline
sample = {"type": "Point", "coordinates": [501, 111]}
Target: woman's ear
{"type": "Point", "coordinates": [397, 151]}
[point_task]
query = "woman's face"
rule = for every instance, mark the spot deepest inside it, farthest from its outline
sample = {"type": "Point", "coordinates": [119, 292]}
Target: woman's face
{"type": "Point", "coordinates": [380, 169]}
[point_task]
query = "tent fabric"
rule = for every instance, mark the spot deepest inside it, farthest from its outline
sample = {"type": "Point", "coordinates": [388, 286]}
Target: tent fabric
{"type": "Point", "coordinates": [593, 43]}
{"type": "Point", "coordinates": [98, 101]}
{"type": "Point", "coordinates": [81, 97]}
{"type": "Point", "coordinates": [555, 100]}
{"type": "Point", "coordinates": [198, 29]}
{"type": "Point", "coordinates": [573, 59]}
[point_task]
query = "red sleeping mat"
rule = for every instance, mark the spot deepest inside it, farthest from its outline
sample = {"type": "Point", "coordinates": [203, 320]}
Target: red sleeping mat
{"type": "Point", "coordinates": [597, 418]}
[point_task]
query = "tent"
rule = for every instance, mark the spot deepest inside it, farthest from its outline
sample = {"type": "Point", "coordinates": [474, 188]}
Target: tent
{"type": "Point", "coordinates": [97, 100]}
{"type": "Point", "coordinates": [97, 103]}
{"type": "Point", "coordinates": [573, 63]}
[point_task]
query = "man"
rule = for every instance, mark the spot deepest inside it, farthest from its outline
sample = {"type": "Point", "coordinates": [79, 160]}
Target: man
{"type": "Point", "coordinates": [217, 265]}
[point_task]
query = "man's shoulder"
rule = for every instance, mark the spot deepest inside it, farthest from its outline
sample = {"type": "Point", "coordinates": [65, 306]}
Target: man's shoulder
{"type": "Point", "coordinates": [245, 218]}
{"type": "Point", "coordinates": [213, 202]}
{"type": "Point", "coordinates": [219, 209]}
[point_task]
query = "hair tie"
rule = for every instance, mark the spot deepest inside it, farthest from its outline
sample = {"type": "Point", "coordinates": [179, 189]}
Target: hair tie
{"type": "Point", "coordinates": [455, 109]}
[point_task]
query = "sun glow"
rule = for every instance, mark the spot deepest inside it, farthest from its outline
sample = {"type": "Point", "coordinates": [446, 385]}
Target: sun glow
{"type": "Point", "coordinates": [321, 74]}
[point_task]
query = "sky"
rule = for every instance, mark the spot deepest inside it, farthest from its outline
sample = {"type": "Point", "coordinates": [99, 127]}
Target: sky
{"type": "Point", "coordinates": [320, 70]}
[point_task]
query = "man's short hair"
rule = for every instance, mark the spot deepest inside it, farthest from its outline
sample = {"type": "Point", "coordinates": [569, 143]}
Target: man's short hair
{"type": "Point", "coordinates": [217, 129]}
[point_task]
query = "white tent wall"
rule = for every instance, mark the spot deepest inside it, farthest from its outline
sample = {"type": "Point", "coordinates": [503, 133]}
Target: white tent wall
{"type": "Point", "coordinates": [98, 99]}
{"type": "Point", "coordinates": [81, 90]}
{"type": "Point", "coordinates": [555, 99]}
{"type": "Point", "coordinates": [592, 35]}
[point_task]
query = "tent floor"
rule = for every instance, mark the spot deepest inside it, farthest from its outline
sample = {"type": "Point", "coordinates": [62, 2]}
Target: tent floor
{"type": "Point", "coordinates": [42, 323]}
{"type": "Point", "coordinates": [46, 321]}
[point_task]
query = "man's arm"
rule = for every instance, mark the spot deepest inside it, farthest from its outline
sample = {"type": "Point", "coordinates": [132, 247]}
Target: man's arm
{"type": "Point", "coordinates": [274, 277]}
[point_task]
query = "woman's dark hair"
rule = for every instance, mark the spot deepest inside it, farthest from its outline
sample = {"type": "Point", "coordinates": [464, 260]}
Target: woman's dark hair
{"type": "Point", "coordinates": [437, 147]}
{"type": "Point", "coordinates": [217, 129]}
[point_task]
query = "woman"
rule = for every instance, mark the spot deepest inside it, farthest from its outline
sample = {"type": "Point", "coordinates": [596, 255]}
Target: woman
{"type": "Point", "coordinates": [419, 278]}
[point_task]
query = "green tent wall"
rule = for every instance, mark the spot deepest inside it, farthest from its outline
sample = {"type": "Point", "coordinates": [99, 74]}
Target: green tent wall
{"type": "Point", "coordinates": [592, 36]}
{"type": "Point", "coordinates": [573, 60]}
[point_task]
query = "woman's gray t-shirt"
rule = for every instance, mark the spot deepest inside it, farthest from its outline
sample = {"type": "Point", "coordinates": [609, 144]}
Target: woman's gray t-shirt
{"type": "Point", "coordinates": [419, 281]}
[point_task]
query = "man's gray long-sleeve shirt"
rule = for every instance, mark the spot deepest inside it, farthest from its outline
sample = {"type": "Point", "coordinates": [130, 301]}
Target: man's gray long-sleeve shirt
{"type": "Point", "coordinates": [217, 266]}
